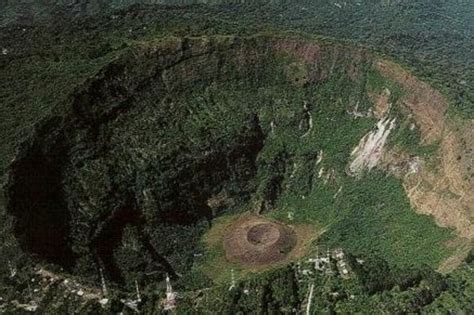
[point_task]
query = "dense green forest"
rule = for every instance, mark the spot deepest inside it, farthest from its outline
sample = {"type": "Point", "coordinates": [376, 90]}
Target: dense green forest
{"type": "Point", "coordinates": [52, 54]}
{"type": "Point", "coordinates": [433, 37]}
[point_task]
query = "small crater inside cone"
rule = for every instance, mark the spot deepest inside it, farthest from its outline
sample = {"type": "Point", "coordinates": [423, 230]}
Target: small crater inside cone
{"type": "Point", "coordinates": [256, 241]}
{"type": "Point", "coordinates": [263, 234]}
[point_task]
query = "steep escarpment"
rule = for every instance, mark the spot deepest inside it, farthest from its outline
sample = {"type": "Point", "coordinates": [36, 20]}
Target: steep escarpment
{"type": "Point", "coordinates": [444, 190]}
{"type": "Point", "coordinates": [121, 156]}
{"type": "Point", "coordinates": [178, 131]}
{"type": "Point", "coordinates": [36, 197]}
{"type": "Point", "coordinates": [76, 186]}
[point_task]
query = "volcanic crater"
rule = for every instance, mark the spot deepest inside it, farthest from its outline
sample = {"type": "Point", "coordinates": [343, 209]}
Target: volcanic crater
{"type": "Point", "coordinates": [141, 147]}
{"type": "Point", "coordinates": [255, 240]}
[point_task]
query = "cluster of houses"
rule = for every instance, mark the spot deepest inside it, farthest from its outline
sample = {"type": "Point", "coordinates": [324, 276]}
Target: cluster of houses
{"type": "Point", "coordinates": [327, 263]}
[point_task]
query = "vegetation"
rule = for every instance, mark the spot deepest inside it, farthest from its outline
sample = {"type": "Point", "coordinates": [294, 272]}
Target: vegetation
{"type": "Point", "coordinates": [434, 38]}
{"type": "Point", "coordinates": [264, 133]}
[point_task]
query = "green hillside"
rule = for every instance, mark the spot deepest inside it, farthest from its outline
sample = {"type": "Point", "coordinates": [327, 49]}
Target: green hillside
{"type": "Point", "coordinates": [135, 134]}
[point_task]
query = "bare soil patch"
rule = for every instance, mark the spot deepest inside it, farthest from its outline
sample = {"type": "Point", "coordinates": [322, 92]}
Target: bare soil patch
{"type": "Point", "coordinates": [446, 189]}
{"type": "Point", "coordinates": [463, 247]}
{"type": "Point", "coordinates": [381, 103]}
{"type": "Point", "coordinates": [263, 235]}
{"type": "Point", "coordinates": [426, 104]}
{"type": "Point", "coordinates": [255, 240]}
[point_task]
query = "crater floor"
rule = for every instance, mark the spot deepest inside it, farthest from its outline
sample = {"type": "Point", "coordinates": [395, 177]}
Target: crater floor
{"type": "Point", "coordinates": [174, 134]}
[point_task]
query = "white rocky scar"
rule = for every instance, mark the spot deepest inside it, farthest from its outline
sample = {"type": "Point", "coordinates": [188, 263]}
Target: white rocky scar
{"type": "Point", "coordinates": [370, 148]}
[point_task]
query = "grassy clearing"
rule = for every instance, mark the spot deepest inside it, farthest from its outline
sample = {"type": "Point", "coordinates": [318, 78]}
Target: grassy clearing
{"type": "Point", "coordinates": [215, 266]}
